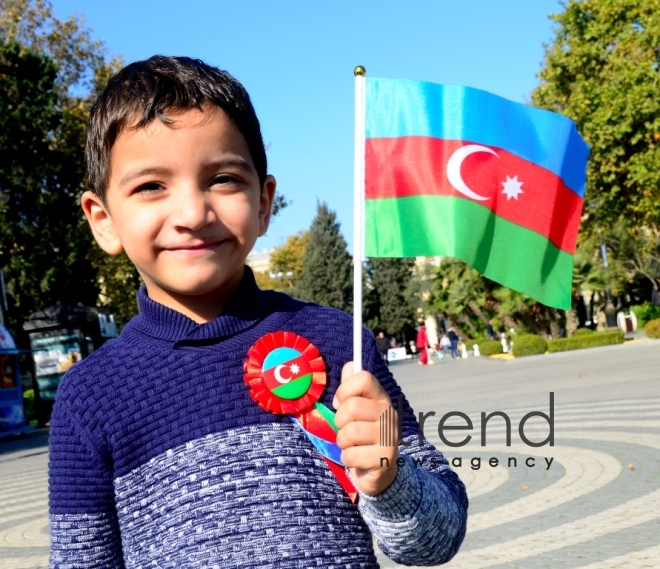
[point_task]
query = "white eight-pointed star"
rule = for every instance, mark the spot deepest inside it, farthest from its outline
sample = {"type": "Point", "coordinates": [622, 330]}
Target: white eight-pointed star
{"type": "Point", "coordinates": [294, 368]}
{"type": "Point", "coordinates": [512, 187]}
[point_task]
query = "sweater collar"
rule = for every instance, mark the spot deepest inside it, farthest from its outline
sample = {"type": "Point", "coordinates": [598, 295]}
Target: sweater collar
{"type": "Point", "coordinates": [246, 306]}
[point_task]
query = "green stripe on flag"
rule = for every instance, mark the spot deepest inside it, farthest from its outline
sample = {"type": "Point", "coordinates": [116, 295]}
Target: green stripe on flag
{"type": "Point", "coordinates": [507, 253]}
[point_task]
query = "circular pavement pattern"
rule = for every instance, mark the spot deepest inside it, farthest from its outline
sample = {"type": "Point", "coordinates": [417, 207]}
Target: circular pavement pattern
{"type": "Point", "coordinates": [595, 505]}
{"type": "Point", "coordinates": [604, 499]}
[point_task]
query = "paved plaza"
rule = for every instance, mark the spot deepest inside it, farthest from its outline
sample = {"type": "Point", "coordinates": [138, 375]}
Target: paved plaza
{"type": "Point", "coordinates": [597, 504]}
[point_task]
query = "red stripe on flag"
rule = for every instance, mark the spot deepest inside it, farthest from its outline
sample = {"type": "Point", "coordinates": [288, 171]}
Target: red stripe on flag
{"type": "Point", "coordinates": [415, 165]}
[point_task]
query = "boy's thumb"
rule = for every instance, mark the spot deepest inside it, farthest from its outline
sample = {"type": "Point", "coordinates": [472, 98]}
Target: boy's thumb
{"type": "Point", "coordinates": [347, 371]}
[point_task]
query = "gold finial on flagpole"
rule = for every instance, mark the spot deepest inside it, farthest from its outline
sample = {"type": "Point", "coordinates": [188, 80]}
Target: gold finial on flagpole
{"type": "Point", "coordinates": [359, 70]}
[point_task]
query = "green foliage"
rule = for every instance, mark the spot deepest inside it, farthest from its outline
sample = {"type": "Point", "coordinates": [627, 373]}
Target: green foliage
{"type": "Point", "coordinates": [585, 341]}
{"type": "Point", "coordinates": [44, 240]}
{"type": "Point", "coordinates": [50, 72]}
{"type": "Point", "coordinates": [67, 43]}
{"type": "Point", "coordinates": [652, 328]}
{"type": "Point", "coordinates": [529, 345]}
{"type": "Point", "coordinates": [645, 312]}
{"type": "Point", "coordinates": [286, 263]}
{"type": "Point", "coordinates": [458, 287]}
{"type": "Point", "coordinates": [490, 348]}
{"type": "Point", "coordinates": [279, 203]}
{"type": "Point", "coordinates": [635, 252]}
{"type": "Point", "coordinates": [389, 305]}
{"type": "Point", "coordinates": [327, 274]}
{"type": "Point", "coordinates": [602, 71]}
{"type": "Point", "coordinates": [118, 282]}
{"type": "Point", "coordinates": [583, 332]}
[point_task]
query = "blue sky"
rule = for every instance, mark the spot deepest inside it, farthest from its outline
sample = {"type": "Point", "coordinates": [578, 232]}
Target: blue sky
{"type": "Point", "coordinates": [296, 59]}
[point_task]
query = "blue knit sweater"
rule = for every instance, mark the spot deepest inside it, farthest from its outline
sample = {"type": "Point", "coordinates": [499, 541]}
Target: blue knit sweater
{"type": "Point", "coordinates": [159, 457]}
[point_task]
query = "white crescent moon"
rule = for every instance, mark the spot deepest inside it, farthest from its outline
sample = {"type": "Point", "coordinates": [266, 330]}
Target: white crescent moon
{"type": "Point", "coordinates": [278, 376]}
{"type": "Point", "coordinates": [454, 169]}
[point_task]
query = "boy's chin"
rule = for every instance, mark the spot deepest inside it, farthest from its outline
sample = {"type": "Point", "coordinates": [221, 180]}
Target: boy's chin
{"type": "Point", "coordinates": [217, 284]}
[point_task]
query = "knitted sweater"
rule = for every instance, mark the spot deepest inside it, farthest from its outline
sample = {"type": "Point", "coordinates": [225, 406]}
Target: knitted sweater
{"type": "Point", "coordinates": [160, 458]}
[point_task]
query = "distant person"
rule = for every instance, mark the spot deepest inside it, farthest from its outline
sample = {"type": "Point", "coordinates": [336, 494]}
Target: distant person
{"type": "Point", "coordinates": [489, 330]}
{"type": "Point", "coordinates": [453, 339]}
{"type": "Point", "coordinates": [423, 346]}
{"type": "Point", "coordinates": [171, 446]}
{"type": "Point", "coordinates": [383, 344]}
{"type": "Point", "coordinates": [445, 344]}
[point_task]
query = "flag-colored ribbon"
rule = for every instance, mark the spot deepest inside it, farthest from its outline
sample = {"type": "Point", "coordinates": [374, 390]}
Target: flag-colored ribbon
{"type": "Point", "coordinates": [286, 375]}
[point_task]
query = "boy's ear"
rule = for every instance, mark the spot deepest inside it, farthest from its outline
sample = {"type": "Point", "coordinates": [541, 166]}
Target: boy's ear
{"type": "Point", "coordinates": [266, 203]}
{"type": "Point", "coordinates": [101, 223]}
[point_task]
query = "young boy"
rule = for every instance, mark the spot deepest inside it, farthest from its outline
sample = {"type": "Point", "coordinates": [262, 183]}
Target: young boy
{"type": "Point", "coordinates": [164, 449]}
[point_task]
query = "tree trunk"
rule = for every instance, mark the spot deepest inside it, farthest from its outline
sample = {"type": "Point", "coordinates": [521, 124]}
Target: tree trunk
{"type": "Point", "coordinates": [509, 322]}
{"type": "Point", "coordinates": [466, 320]}
{"type": "Point", "coordinates": [571, 322]}
{"type": "Point", "coordinates": [474, 307]}
{"type": "Point", "coordinates": [553, 316]}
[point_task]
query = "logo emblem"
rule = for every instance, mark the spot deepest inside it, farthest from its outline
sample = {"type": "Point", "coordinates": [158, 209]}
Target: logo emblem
{"type": "Point", "coordinates": [285, 373]}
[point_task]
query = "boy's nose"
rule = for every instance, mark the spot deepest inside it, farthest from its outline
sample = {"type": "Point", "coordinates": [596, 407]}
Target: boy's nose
{"type": "Point", "coordinates": [191, 209]}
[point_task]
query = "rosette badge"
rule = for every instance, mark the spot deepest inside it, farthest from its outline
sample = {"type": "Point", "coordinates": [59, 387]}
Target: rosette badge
{"type": "Point", "coordinates": [286, 376]}
{"type": "Point", "coordinates": [285, 373]}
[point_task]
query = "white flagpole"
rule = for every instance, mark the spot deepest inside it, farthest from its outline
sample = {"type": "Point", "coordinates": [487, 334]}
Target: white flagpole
{"type": "Point", "coordinates": [358, 213]}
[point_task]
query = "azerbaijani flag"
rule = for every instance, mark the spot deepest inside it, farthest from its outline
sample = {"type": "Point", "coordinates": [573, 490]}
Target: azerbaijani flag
{"type": "Point", "coordinates": [456, 171]}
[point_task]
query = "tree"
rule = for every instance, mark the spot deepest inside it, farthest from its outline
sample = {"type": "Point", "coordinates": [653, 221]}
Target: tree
{"type": "Point", "coordinates": [459, 292]}
{"type": "Point", "coordinates": [602, 71]}
{"type": "Point", "coordinates": [389, 304]}
{"type": "Point", "coordinates": [326, 276]}
{"type": "Point", "coordinates": [286, 263]}
{"type": "Point", "coordinates": [50, 71]}
{"type": "Point", "coordinates": [43, 237]}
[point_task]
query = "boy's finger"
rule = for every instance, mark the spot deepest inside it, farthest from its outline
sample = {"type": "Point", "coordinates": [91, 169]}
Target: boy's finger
{"type": "Point", "coordinates": [347, 371]}
{"type": "Point", "coordinates": [359, 409]}
{"type": "Point", "coordinates": [358, 433]}
{"type": "Point", "coordinates": [368, 457]}
{"type": "Point", "coordinates": [361, 384]}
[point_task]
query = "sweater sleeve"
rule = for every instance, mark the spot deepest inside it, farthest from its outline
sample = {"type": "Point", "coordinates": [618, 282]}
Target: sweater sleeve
{"type": "Point", "coordinates": [421, 518]}
{"type": "Point", "coordinates": [83, 520]}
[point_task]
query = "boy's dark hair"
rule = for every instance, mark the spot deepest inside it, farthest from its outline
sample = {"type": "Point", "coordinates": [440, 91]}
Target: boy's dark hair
{"type": "Point", "coordinates": [147, 90]}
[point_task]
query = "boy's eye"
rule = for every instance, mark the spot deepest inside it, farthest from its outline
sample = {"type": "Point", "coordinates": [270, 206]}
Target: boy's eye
{"type": "Point", "coordinates": [225, 179]}
{"type": "Point", "coordinates": [148, 188]}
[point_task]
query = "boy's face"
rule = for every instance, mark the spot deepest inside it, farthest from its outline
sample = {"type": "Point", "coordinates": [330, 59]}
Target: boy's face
{"type": "Point", "coordinates": [185, 202]}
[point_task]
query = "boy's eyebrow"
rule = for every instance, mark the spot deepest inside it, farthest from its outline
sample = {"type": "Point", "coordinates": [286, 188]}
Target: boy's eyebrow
{"type": "Point", "coordinates": [160, 171]}
{"type": "Point", "coordinates": [238, 162]}
{"type": "Point", "coordinates": [131, 175]}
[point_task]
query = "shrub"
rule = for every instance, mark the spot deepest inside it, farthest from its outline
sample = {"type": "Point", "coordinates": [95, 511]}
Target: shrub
{"type": "Point", "coordinates": [585, 341]}
{"type": "Point", "coordinates": [652, 328]}
{"type": "Point", "coordinates": [583, 332]}
{"type": "Point", "coordinates": [490, 348]}
{"type": "Point", "coordinates": [469, 344]}
{"type": "Point", "coordinates": [646, 312]}
{"type": "Point", "coordinates": [529, 345]}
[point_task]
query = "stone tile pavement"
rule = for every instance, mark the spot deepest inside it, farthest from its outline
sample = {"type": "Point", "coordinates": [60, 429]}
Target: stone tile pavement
{"type": "Point", "coordinates": [597, 504]}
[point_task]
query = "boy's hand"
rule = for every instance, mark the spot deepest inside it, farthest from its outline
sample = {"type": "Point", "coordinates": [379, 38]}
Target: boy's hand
{"type": "Point", "coordinates": [360, 400]}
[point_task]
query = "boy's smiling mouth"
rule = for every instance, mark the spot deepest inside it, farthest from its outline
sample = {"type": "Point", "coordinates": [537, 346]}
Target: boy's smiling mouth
{"type": "Point", "coordinates": [198, 245]}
